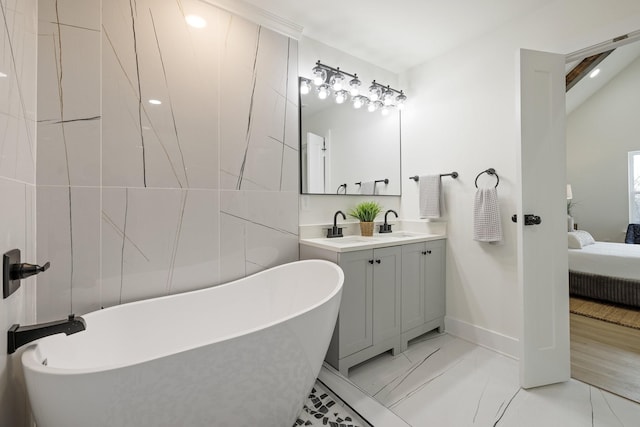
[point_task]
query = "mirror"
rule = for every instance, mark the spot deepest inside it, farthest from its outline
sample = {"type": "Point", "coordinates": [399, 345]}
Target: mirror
{"type": "Point", "coordinates": [341, 146]}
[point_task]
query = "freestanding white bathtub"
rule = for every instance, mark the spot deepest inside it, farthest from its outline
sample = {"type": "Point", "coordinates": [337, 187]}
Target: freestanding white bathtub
{"type": "Point", "coordinates": [245, 353]}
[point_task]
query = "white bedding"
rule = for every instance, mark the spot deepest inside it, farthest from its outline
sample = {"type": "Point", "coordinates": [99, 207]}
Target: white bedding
{"type": "Point", "coordinates": [607, 259]}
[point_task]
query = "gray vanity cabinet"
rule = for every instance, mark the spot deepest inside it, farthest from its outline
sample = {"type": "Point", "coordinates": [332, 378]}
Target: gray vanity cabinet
{"type": "Point", "coordinates": [390, 295]}
{"type": "Point", "coordinates": [370, 318]}
{"type": "Point", "coordinates": [423, 288]}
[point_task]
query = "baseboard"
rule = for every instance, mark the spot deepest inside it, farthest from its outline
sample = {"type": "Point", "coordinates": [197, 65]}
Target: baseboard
{"type": "Point", "coordinates": [500, 343]}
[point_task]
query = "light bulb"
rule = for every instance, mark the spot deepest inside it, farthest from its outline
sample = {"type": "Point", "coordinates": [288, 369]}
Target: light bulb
{"type": "Point", "coordinates": [374, 92]}
{"type": "Point", "coordinates": [323, 91]}
{"type": "Point", "coordinates": [305, 86]}
{"type": "Point", "coordinates": [400, 100]}
{"type": "Point", "coordinates": [354, 86]}
{"type": "Point", "coordinates": [387, 98]}
{"type": "Point", "coordinates": [319, 75]}
{"type": "Point", "coordinates": [359, 101]}
{"type": "Point", "coordinates": [373, 106]}
{"type": "Point", "coordinates": [385, 110]}
{"type": "Point", "coordinates": [341, 96]}
{"type": "Point", "coordinates": [195, 21]}
{"type": "Point", "coordinates": [337, 81]}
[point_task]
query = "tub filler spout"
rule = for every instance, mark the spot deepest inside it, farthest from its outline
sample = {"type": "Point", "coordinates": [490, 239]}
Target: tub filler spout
{"type": "Point", "coordinates": [17, 336]}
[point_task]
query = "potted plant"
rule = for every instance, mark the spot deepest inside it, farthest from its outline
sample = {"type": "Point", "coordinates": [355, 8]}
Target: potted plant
{"type": "Point", "coordinates": [366, 212]}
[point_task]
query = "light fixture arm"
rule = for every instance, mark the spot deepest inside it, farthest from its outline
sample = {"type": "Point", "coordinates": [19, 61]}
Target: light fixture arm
{"type": "Point", "coordinates": [387, 87]}
{"type": "Point", "coordinates": [334, 70]}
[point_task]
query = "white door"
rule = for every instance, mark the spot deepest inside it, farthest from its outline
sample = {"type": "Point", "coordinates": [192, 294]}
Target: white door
{"type": "Point", "coordinates": [315, 163]}
{"type": "Point", "coordinates": [542, 248]}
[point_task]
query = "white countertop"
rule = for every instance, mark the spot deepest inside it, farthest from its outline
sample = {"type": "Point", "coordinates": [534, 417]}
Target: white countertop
{"type": "Point", "coordinates": [356, 243]}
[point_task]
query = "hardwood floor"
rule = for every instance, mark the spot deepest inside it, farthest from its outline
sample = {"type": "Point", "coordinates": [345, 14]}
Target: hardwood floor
{"type": "Point", "coordinates": [606, 355]}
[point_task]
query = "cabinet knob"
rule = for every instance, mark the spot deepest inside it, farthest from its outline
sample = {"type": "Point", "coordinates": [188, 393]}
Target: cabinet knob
{"type": "Point", "coordinates": [424, 252]}
{"type": "Point", "coordinates": [429, 252]}
{"type": "Point", "coordinates": [370, 261]}
{"type": "Point", "coordinates": [378, 261]}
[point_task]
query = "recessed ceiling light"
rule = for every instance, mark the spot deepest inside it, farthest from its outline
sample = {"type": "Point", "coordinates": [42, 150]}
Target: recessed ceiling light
{"type": "Point", "coordinates": [155, 102]}
{"type": "Point", "coordinates": [2, 74]}
{"type": "Point", "coordinates": [195, 21]}
{"type": "Point", "coordinates": [594, 73]}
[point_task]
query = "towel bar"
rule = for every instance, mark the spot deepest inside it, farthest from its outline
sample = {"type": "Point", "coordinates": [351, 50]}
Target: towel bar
{"type": "Point", "coordinates": [453, 175]}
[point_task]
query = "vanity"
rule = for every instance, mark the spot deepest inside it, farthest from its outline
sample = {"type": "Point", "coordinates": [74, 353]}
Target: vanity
{"type": "Point", "coordinates": [394, 291]}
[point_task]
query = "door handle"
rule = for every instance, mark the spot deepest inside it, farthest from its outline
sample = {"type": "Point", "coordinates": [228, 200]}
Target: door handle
{"type": "Point", "coordinates": [529, 219]}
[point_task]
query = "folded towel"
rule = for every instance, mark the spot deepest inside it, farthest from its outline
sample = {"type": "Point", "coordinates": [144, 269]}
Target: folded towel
{"type": "Point", "coordinates": [367, 187]}
{"type": "Point", "coordinates": [486, 216]}
{"type": "Point", "coordinates": [430, 196]}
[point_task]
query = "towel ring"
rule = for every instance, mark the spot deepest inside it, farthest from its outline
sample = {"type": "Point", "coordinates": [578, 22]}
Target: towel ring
{"type": "Point", "coordinates": [490, 171]}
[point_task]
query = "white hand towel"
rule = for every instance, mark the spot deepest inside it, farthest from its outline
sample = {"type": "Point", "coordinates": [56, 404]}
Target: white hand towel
{"type": "Point", "coordinates": [367, 187]}
{"type": "Point", "coordinates": [430, 196]}
{"type": "Point", "coordinates": [486, 216]}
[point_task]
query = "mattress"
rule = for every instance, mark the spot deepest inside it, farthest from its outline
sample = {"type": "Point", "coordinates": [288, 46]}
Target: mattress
{"type": "Point", "coordinates": [607, 259]}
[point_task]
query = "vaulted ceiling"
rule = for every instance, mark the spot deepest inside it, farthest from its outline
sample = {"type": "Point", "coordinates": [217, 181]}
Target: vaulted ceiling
{"type": "Point", "coordinates": [397, 35]}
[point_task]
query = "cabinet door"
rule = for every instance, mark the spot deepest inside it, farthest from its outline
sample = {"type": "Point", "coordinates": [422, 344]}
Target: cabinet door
{"type": "Point", "coordinates": [413, 284]}
{"type": "Point", "coordinates": [434, 296]}
{"type": "Point", "coordinates": [355, 318]}
{"type": "Point", "coordinates": [386, 292]}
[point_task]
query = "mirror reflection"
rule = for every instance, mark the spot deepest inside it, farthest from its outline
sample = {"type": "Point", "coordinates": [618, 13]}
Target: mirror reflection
{"type": "Point", "coordinates": [344, 150]}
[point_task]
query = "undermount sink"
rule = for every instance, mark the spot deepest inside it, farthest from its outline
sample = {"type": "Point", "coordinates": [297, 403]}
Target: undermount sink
{"type": "Point", "coordinates": [398, 234]}
{"type": "Point", "coordinates": [356, 242]}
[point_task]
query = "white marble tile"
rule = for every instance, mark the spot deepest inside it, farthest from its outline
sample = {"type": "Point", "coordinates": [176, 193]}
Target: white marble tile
{"type": "Point", "coordinates": [157, 242]}
{"type": "Point", "coordinates": [196, 261]}
{"type": "Point", "coordinates": [71, 13]}
{"type": "Point", "coordinates": [461, 384]}
{"type": "Point", "coordinates": [68, 224]}
{"type": "Point", "coordinates": [172, 145]}
{"type": "Point", "coordinates": [289, 180]}
{"type": "Point", "coordinates": [68, 102]}
{"type": "Point", "coordinates": [292, 126]}
{"type": "Point", "coordinates": [232, 247]}
{"type": "Point", "coordinates": [277, 210]}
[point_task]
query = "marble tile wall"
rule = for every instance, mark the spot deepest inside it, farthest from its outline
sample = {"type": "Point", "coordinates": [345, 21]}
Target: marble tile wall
{"type": "Point", "coordinates": [18, 41]}
{"type": "Point", "coordinates": [137, 200]}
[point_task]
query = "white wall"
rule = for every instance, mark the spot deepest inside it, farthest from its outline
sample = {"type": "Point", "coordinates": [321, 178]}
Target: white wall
{"type": "Point", "coordinates": [600, 133]}
{"type": "Point", "coordinates": [18, 36]}
{"type": "Point", "coordinates": [319, 209]}
{"type": "Point", "coordinates": [462, 116]}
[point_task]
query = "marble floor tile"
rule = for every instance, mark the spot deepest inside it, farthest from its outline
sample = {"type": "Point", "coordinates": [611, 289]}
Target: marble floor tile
{"type": "Point", "coordinates": [447, 382]}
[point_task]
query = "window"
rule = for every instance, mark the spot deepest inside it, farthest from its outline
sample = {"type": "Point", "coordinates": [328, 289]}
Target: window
{"type": "Point", "coordinates": [634, 187]}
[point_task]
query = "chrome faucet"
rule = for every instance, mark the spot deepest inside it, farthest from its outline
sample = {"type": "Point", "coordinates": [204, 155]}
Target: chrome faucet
{"type": "Point", "coordinates": [336, 231]}
{"type": "Point", "coordinates": [386, 228]}
{"type": "Point", "coordinates": [17, 336]}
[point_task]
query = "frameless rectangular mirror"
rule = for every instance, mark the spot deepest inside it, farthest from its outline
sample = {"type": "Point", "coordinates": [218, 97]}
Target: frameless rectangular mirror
{"type": "Point", "coordinates": [344, 150]}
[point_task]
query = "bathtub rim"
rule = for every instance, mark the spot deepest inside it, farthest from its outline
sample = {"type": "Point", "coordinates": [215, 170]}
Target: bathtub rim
{"type": "Point", "coordinates": [32, 359]}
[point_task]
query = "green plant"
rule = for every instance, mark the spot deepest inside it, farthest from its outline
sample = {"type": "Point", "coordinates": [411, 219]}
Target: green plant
{"type": "Point", "coordinates": [570, 206]}
{"type": "Point", "coordinates": [365, 211]}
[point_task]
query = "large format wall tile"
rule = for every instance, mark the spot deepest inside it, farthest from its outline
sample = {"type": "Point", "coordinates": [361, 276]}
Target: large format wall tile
{"type": "Point", "coordinates": [157, 242]}
{"type": "Point", "coordinates": [17, 90]}
{"type": "Point", "coordinates": [68, 95]}
{"type": "Point", "coordinates": [68, 224]}
{"type": "Point", "coordinates": [149, 53]}
{"type": "Point", "coordinates": [138, 200]}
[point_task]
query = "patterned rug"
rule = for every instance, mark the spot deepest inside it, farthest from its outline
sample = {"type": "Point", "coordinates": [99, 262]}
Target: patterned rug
{"type": "Point", "coordinates": [607, 312]}
{"type": "Point", "coordinates": [321, 409]}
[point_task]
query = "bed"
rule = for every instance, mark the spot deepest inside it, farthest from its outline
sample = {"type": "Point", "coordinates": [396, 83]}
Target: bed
{"type": "Point", "coordinates": [607, 272]}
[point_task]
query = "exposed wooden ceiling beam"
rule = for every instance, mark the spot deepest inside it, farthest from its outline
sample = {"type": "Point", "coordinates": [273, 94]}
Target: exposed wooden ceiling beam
{"type": "Point", "coordinates": [584, 68]}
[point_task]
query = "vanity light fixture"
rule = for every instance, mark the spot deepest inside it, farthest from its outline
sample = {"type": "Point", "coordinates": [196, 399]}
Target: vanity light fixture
{"type": "Point", "coordinates": [329, 79]}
